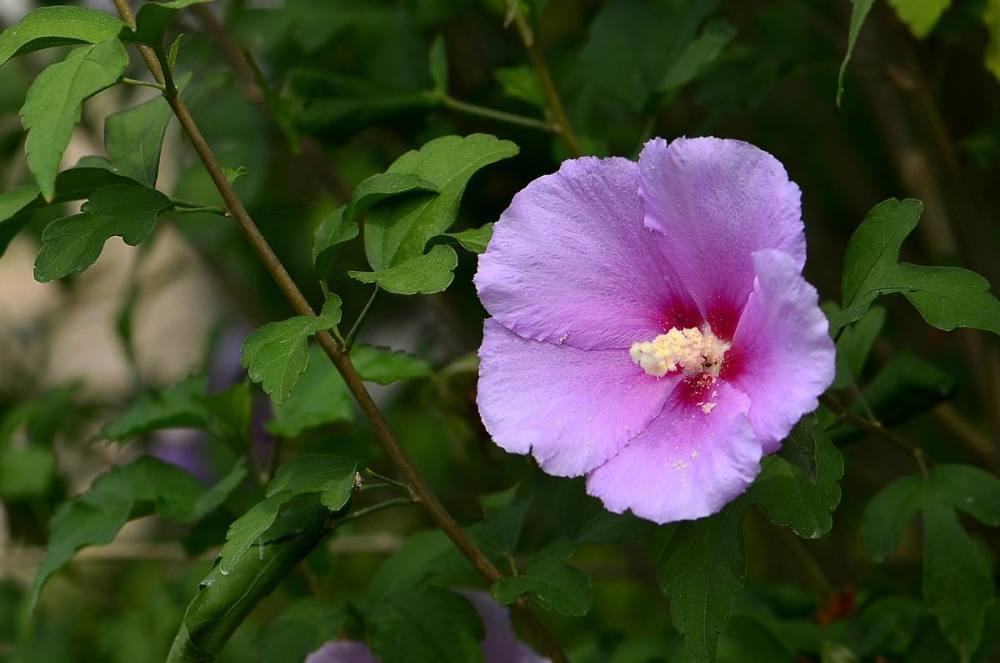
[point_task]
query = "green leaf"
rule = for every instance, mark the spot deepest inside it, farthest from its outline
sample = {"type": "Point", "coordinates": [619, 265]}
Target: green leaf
{"type": "Point", "coordinates": [474, 239]}
{"type": "Point", "coordinates": [153, 18]}
{"type": "Point", "coordinates": [133, 138]}
{"type": "Point", "coordinates": [333, 477]}
{"type": "Point", "coordinates": [332, 231]}
{"type": "Point", "coordinates": [12, 205]}
{"type": "Point", "coordinates": [384, 366]}
{"type": "Point", "coordinates": [72, 184]}
{"type": "Point", "coordinates": [704, 50]}
{"type": "Point", "coordinates": [968, 489]}
{"type": "Point", "coordinates": [702, 568]}
{"type": "Point", "coordinates": [320, 397]}
{"type": "Point", "coordinates": [179, 406]}
{"type": "Point", "coordinates": [126, 492]}
{"type": "Point", "coordinates": [300, 629]}
{"type": "Point", "coordinates": [26, 472]}
{"type": "Point", "coordinates": [906, 387]}
{"type": "Point", "coordinates": [991, 19]}
{"type": "Point", "coordinates": [854, 346]}
{"type": "Point", "coordinates": [73, 243]}
{"type": "Point", "coordinates": [423, 557]}
{"type": "Point", "coordinates": [228, 594]}
{"type": "Point", "coordinates": [946, 297]}
{"type": "Point", "coordinates": [873, 250]}
{"type": "Point", "coordinates": [438, 64]}
{"type": "Point", "coordinates": [920, 15]}
{"type": "Point", "coordinates": [342, 225]}
{"type": "Point", "coordinates": [521, 83]}
{"type": "Point", "coordinates": [958, 582]}
{"type": "Point", "coordinates": [629, 56]}
{"type": "Point", "coordinates": [330, 479]}
{"type": "Point", "coordinates": [277, 353]}
{"type": "Point", "coordinates": [398, 230]}
{"type": "Point", "coordinates": [383, 186]}
{"type": "Point", "coordinates": [583, 519]}
{"type": "Point", "coordinates": [859, 12]}
{"type": "Point", "coordinates": [505, 513]}
{"type": "Point", "coordinates": [57, 26]}
{"type": "Point", "coordinates": [187, 404]}
{"type": "Point", "coordinates": [55, 100]}
{"type": "Point", "coordinates": [801, 448]}
{"type": "Point", "coordinates": [791, 495]}
{"type": "Point", "coordinates": [427, 624]}
{"type": "Point", "coordinates": [425, 274]}
{"type": "Point", "coordinates": [553, 583]}
{"type": "Point", "coordinates": [888, 514]}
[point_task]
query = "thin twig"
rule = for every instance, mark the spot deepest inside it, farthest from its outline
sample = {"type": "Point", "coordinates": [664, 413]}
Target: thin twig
{"type": "Point", "coordinates": [552, 99]}
{"type": "Point", "coordinates": [876, 428]}
{"type": "Point", "coordinates": [352, 335]}
{"type": "Point", "coordinates": [133, 81]}
{"type": "Point", "coordinates": [341, 359]}
{"type": "Point", "coordinates": [501, 116]}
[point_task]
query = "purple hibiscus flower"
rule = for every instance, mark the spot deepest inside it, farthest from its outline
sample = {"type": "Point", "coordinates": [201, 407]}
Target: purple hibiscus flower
{"type": "Point", "coordinates": [651, 327]}
{"type": "Point", "coordinates": [500, 645]}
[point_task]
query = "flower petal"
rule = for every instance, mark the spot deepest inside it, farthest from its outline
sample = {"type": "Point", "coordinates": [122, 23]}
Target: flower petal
{"type": "Point", "coordinates": [717, 201]}
{"type": "Point", "coordinates": [572, 409]}
{"type": "Point", "coordinates": [571, 261]}
{"type": "Point", "coordinates": [784, 356]}
{"type": "Point", "coordinates": [342, 651]}
{"type": "Point", "coordinates": [500, 644]}
{"type": "Point", "coordinates": [687, 464]}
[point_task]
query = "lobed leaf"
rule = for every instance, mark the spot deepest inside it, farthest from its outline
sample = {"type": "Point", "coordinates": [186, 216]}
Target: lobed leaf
{"type": "Point", "coordinates": [958, 582]}
{"type": "Point", "coordinates": [276, 354]}
{"type": "Point", "coordinates": [73, 243]}
{"type": "Point", "coordinates": [796, 497]}
{"type": "Point", "coordinates": [553, 583]}
{"type": "Point", "coordinates": [55, 100]}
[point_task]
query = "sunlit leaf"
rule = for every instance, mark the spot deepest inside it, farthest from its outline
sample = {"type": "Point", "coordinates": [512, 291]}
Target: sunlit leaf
{"type": "Point", "coordinates": [46, 27]}
{"type": "Point", "coordinates": [55, 100]}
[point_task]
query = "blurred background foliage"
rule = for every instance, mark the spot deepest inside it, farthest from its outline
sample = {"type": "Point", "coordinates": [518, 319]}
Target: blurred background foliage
{"type": "Point", "coordinates": [334, 91]}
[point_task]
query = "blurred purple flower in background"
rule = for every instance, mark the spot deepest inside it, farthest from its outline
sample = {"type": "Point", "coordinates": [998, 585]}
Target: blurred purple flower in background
{"type": "Point", "coordinates": [651, 327]}
{"type": "Point", "coordinates": [500, 645]}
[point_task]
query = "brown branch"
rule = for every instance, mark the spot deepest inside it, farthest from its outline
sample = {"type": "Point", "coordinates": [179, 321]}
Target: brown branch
{"type": "Point", "coordinates": [552, 100]}
{"type": "Point", "coordinates": [341, 360]}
